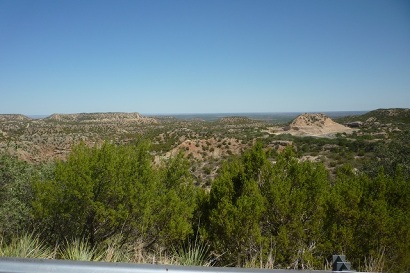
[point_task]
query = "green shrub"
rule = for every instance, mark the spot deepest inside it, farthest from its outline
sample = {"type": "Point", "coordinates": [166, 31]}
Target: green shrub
{"type": "Point", "coordinates": [16, 195]}
{"type": "Point", "coordinates": [100, 192]}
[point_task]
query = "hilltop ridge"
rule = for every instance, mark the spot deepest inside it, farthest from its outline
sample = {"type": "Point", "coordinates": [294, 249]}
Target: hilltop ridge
{"type": "Point", "coordinates": [14, 117]}
{"type": "Point", "coordinates": [390, 115]}
{"type": "Point", "coordinates": [102, 117]}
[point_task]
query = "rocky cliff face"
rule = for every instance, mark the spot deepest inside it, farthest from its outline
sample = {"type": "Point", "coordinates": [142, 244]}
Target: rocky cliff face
{"type": "Point", "coordinates": [315, 125]}
{"type": "Point", "coordinates": [315, 120]}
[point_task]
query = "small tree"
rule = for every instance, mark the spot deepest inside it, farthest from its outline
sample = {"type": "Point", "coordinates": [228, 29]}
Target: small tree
{"type": "Point", "coordinates": [236, 206]}
{"type": "Point", "coordinates": [103, 191]}
{"type": "Point", "coordinates": [97, 193]}
{"type": "Point", "coordinates": [15, 195]}
{"type": "Point", "coordinates": [176, 201]}
{"type": "Point", "coordinates": [296, 195]}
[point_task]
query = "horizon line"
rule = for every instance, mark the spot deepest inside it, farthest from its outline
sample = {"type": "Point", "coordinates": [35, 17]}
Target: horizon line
{"type": "Point", "coordinates": [193, 113]}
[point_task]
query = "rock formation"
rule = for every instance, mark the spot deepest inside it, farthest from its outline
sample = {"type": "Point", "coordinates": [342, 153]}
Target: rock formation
{"type": "Point", "coordinates": [315, 125]}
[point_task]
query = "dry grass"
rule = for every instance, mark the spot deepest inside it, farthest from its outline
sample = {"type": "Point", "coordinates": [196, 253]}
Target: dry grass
{"type": "Point", "coordinates": [193, 253]}
{"type": "Point", "coordinates": [257, 261]}
{"type": "Point", "coordinates": [79, 250]}
{"type": "Point", "coordinates": [26, 246]}
{"type": "Point", "coordinates": [375, 263]}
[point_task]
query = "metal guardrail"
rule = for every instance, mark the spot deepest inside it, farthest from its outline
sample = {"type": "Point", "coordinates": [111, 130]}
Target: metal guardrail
{"type": "Point", "coordinates": [19, 265]}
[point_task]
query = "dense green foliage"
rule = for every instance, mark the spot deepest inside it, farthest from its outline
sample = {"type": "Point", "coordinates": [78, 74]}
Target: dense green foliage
{"type": "Point", "coordinates": [15, 195]}
{"type": "Point", "coordinates": [287, 213]}
{"type": "Point", "coordinates": [101, 192]}
{"type": "Point", "coordinates": [235, 207]}
{"type": "Point", "coordinates": [391, 156]}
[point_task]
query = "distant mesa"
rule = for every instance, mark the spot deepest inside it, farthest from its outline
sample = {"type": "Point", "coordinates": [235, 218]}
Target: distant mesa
{"type": "Point", "coordinates": [387, 115]}
{"type": "Point", "coordinates": [15, 117]}
{"type": "Point", "coordinates": [102, 117]}
{"type": "Point", "coordinates": [392, 112]}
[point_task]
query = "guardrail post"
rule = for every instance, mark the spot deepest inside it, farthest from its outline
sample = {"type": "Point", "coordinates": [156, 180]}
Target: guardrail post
{"type": "Point", "coordinates": [340, 264]}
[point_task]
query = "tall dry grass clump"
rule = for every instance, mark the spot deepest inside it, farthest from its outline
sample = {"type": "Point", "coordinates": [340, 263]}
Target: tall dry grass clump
{"type": "Point", "coordinates": [26, 246]}
{"type": "Point", "coordinates": [79, 250]}
{"type": "Point", "coordinates": [375, 263]}
{"type": "Point", "coordinates": [193, 253]}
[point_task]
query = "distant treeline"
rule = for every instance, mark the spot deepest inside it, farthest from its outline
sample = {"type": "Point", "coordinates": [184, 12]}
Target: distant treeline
{"type": "Point", "coordinates": [274, 117]}
{"type": "Point", "coordinates": [281, 214]}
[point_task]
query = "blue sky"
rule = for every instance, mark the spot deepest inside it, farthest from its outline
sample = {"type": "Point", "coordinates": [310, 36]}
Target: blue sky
{"type": "Point", "coordinates": [214, 56]}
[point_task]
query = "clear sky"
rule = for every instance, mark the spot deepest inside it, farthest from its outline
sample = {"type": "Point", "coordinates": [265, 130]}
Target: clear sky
{"type": "Point", "coordinates": [211, 56]}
